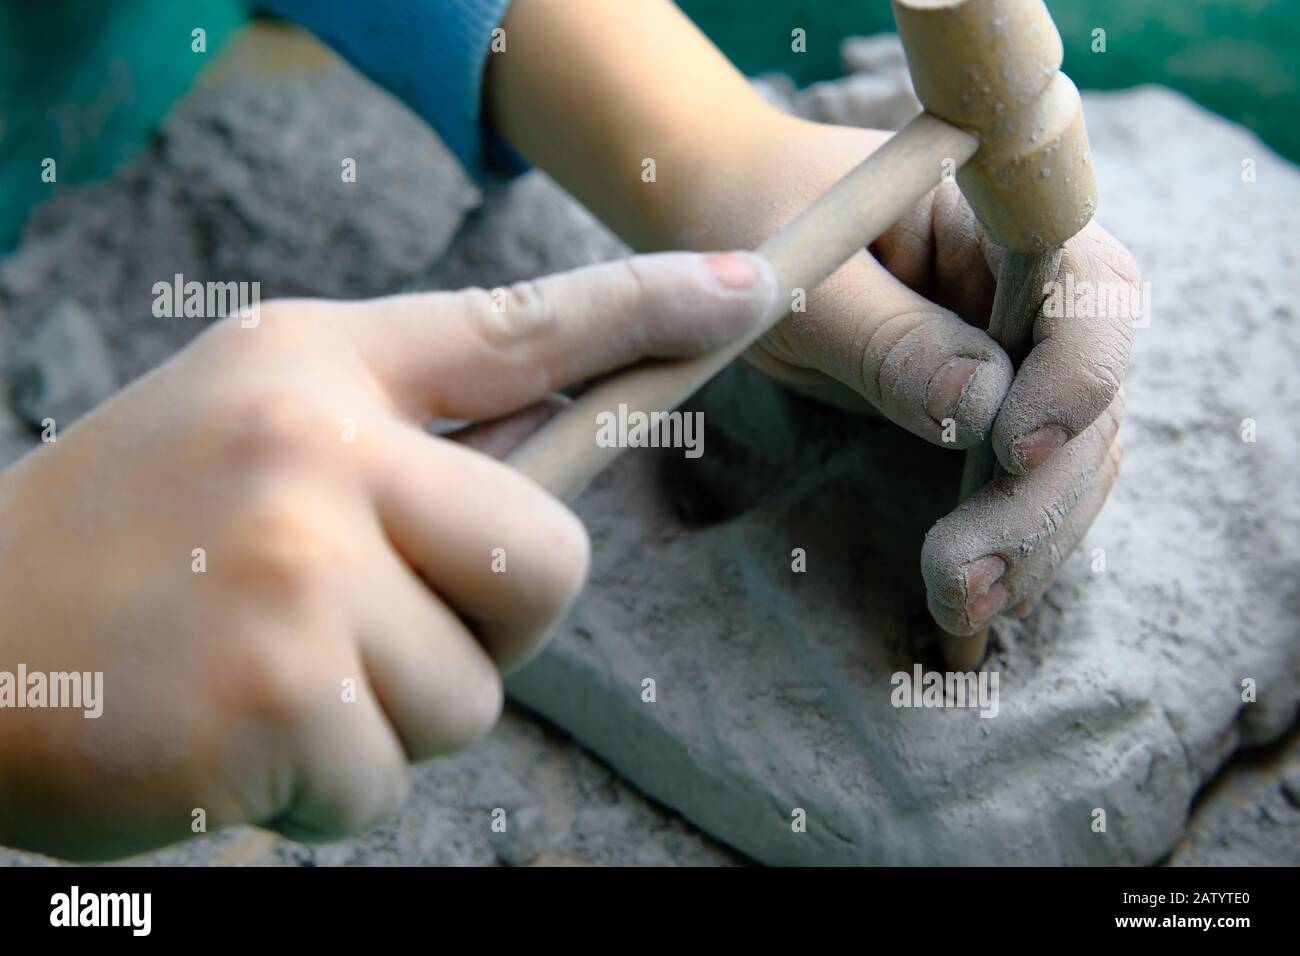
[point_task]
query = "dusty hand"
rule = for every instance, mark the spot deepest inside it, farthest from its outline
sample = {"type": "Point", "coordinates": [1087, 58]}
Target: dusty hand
{"type": "Point", "coordinates": [900, 333]}
{"type": "Point", "coordinates": [290, 588]}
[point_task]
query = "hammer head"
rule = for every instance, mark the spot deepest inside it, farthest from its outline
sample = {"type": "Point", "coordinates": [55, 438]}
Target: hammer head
{"type": "Point", "coordinates": [992, 67]}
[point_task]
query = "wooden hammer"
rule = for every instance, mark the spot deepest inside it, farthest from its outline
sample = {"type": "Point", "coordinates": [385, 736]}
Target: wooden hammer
{"type": "Point", "coordinates": [998, 113]}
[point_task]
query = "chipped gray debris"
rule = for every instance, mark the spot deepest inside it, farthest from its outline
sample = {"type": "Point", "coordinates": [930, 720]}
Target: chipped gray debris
{"type": "Point", "coordinates": [63, 370]}
{"type": "Point", "coordinates": [1290, 784]}
{"type": "Point", "coordinates": [524, 838]}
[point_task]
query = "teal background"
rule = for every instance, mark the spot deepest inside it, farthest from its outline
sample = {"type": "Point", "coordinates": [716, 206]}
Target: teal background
{"type": "Point", "coordinates": [1240, 58]}
{"type": "Point", "coordinates": [86, 81]}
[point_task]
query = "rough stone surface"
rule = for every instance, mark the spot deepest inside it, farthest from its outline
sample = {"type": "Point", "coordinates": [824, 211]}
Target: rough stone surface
{"type": "Point", "coordinates": [1290, 786]}
{"type": "Point", "coordinates": [63, 370]}
{"type": "Point", "coordinates": [522, 840]}
{"type": "Point", "coordinates": [1248, 817]}
{"type": "Point", "coordinates": [875, 92]}
{"type": "Point", "coordinates": [1122, 692]}
{"type": "Point", "coordinates": [562, 807]}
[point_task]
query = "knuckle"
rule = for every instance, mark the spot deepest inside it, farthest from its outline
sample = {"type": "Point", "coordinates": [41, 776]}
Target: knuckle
{"type": "Point", "coordinates": [663, 304]}
{"type": "Point", "coordinates": [518, 314]}
{"type": "Point", "coordinates": [1111, 360]}
{"type": "Point", "coordinates": [1101, 381]}
{"type": "Point", "coordinates": [273, 687]}
{"type": "Point", "coordinates": [1037, 540]}
{"type": "Point", "coordinates": [530, 306]}
{"type": "Point", "coordinates": [905, 357]}
{"type": "Point", "coordinates": [275, 423]}
{"type": "Point", "coordinates": [285, 551]}
{"type": "Point", "coordinates": [885, 340]}
{"type": "Point", "coordinates": [640, 285]}
{"type": "Point", "coordinates": [276, 675]}
{"type": "Point", "coordinates": [1051, 516]}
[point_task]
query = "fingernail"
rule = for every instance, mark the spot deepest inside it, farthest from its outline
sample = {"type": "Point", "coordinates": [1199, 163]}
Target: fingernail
{"type": "Point", "coordinates": [733, 270]}
{"type": "Point", "coordinates": [1038, 445]}
{"type": "Point", "coordinates": [943, 394]}
{"type": "Point", "coordinates": [984, 607]}
{"type": "Point", "coordinates": [981, 573]}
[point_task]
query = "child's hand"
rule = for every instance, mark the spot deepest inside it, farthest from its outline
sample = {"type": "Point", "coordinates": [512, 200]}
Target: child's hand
{"type": "Point", "coordinates": [291, 589]}
{"type": "Point", "coordinates": [901, 334]}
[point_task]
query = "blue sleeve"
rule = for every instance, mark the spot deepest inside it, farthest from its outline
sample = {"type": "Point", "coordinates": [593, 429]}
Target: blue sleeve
{"type": "Point", "coordinates": [430, 54]}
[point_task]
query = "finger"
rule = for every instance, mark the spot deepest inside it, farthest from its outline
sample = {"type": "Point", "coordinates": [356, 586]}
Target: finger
{"type": "Point", "coordinates": [482, 354]}
{"type": "Point", "coordinates": [506, 556]}
{"type": "Point", "coordinates": [938, 250]}
{"type": "Point", "coordinates": [1004, 525]}
{"type": "Point", "coordinates": [437, 685]}
{"type": "Point", "coordinates": [1029, 579]}
{"type": "Point", "coordinates": [964, 280]}
{"type": "Point", "coordinates": [919, 364]}
{"type": "Point", "coordinates": [1082, 340]}
{"type": "Point", "coordinates": [500, 436]}
{"type": "Point", "coordinates": [349, 769]}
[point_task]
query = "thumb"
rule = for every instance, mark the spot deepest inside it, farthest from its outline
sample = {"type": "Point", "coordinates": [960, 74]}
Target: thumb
{"type": "Point", "coordinates": [918, 363]}
{"type": "Point", "coordinates": [483, 354]}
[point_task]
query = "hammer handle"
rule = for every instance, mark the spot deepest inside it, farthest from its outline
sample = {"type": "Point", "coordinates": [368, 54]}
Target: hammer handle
{"type": "Point", "coordinates": [563, 456]}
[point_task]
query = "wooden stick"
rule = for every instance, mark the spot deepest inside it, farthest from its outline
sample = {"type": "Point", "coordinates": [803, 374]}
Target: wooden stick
{"type": "Point", "coordinates": [563, 456]}
{"type": "Point", "coordinates": [1019, 296]}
